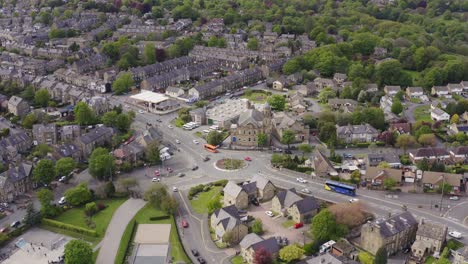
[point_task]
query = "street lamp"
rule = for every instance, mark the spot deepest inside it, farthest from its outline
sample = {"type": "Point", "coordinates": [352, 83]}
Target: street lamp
{"type": "Point", "coordinates": [442, 192]}
{"type": "Point", "coordinates": [303, 238]}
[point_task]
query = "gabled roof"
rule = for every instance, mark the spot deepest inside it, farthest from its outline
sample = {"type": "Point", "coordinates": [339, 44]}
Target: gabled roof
{"type": "Point", "coordinates": [260, 181]}
{"type": "Point", "coordinates": [18, 173]}
{"type": "Point", "coordinates": [307, 204]}
{"type": "Point", "coordinates": [396, 224]}
{"type": "Point", "coordinates": [356, 129]}
{"type": "Point", "coordinates": [251, 116]}
{"type": "Point", "coordinates": [249, 240]}
{"type": "Point", "coordinates": [232, 189]}
{"type": "Point", "coordinates": [288, 198]}
{"type": "Point", "coordinates": [428, 152]}
{"type": "Point", "coordinates": [437, 178]}
{"type": "Point", "coordinates": [269, 244]}
{"type": "Point", "coordinates": [228, 217]}
{"type": "Point", "coordinates": [434, 231]}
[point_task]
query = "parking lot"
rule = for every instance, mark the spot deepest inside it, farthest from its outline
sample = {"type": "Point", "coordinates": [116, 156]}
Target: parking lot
{"type": "Point", "coordinates": [273, 225]}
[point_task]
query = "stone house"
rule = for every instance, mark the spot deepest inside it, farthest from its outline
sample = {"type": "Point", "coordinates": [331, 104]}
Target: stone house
{"type": "Point", "coordinates": [289, 203]}
{"type": "Point", "coordinates": [356, 133]}
{"type": "Point", "coordinates": [328, 258]}
{"type": "Point", "coordinates": [235, 195]}
{"type": "Point", "coordinates": [45, 134]}
{"type": "Point", "coordinates": [455, 88]}
{"type": "Point", "coordinates": [430, 239]}
{"type": "Point", "coordinates": [15, 182]}
{"type": "Point", "coordinates": [252, 242]}
{"type": "Point", "coordinates": [70, 132]}
{"type": "Point", "coordinates": [18, 106]}
{"type": "Point", "coordinates": [258, 188]}
{"type": "Point", "coordinates": [174, 91]}
{"type": "Point", "coordinates": [438, 114]}
{"type": "Point", "coordinates": [148, 136]}
{"type": "Point", "coordinates": [227, 219]}
{"type": "Point", "coordinates": [433, 180]}
{"type": "Point", "coordinates": [282, 122]}
{"type": "Point", "coordinates": [94, 138]}
{"type": "Point", "coordinates": [265, 188]}
{"type": "Point", "coordinates": [198, 116]}
{"type": "Point", "coordinates": [392, 90]}
{"type": "Point", "coordinates": [430, 154]}
{"type": "Point", "coordinates": [414, 92]}
{"type": "Point", "coordinates": [15, 144]}
{"type": "Point", "coordinates": [459, 155]}
{"type": "Point", "coordinates": [67, 150]}
{"type": "Point", "coordinates": [372, 88]}
{"type": "Point", "coordinates": [342, 104]}
{"type": "Point", "coordinates": [339, 78]}
{"type": "Point", "coordinates": [343, 248]}
{"type": "Point", "coordinates": [251, 123]}
{"type": "Point", "coordinates": [322, 165]}
{"type": "Point", "coordinates": [374, 159]}
{"type": "Point", "coordinates": [130, 153]}
{"type": "Point", "coordinates": [322, 83]}
{"type": "Point", "coordinates": [395, 233]}
{"type": "Point", "coordinates": [440, 91]}
{"type": "Point", "coordinates": [454, 129]}
{"type": "Point", "coordinates": [376, 176]}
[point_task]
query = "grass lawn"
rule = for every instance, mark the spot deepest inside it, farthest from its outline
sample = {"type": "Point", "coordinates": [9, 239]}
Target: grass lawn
{"type": "Point", "coordinates": [237, 260]}
{"type": "Point", "coordinates": [143, 217]}
{"type": "Point", "coordinates": [430, 260]}
{"type": "Point", "coordinates": [288, 223]}
{"type": "Point", "coordinates": [422, 113]}
{"type": "Point", "coordinates": [256, 97]}
{"type": "Point", "coordinates": [199, 203]}
{"type": "Point", "coordinates": [414, 75]}
{"type": "Point", "coordinates": [76, 216]}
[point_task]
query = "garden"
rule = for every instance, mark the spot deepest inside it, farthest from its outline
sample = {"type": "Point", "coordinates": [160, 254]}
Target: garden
{"type": "Point", "coordinates": [230, 164]}
{"type": "Point", "coordinates": [206, 198]}
{"type": "Point", "coordinates": [256, 96]}
{"type": "Point", "coordinates": [421, 113]}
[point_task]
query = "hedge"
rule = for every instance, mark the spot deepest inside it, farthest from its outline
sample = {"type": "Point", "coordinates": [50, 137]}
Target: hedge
{"type": "Point", "coordinates": [79, 230]}
{"type": "Point", "coordinates": [220, 183]}
{"type": "Point", "coordinates": [195, 190]}
{"type": "Point", "coordinates": [125, 242]}
{"type": "Point", "coordinates": [162, 217]}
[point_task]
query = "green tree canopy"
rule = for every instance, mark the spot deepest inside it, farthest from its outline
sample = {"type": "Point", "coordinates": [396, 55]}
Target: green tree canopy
{"type": "Point", "coordinates": [42, 97]}
{"type": "Point", "coordinates": [291, 253]}
{"type": "Point", "coordinates": [262, 139]}
{"type": "Point", "coordinates": [78, 252]}
{"type": "Point", "coordinates": [277, 102]}
{"type": "Point", "coordinates": [84, 115]}
{"type": "Point", "coordinates": [214, 138]}
{"type": "Point", "coordinates": [252, 44]}
{"type": "Point", "coordinates": [78, 195]}
{"type": "Point", "coordinates": [305, 148]}
{"type": "Point", "coordinates": [123, 83]}
{"type": "Point", "coordinates": [288, 137]}
{"type": "Point", "coordinates": [101, 164]}
{"type": "Point", "coordinates": [64, 166]}
{"type": "Point", "coordinates": [257, 227]}
{"type": "Point", "coordinates": [152, 153]}
{"type": "Point", "coordinates": [381, 256]}
{"type": "Point", "coordinates": [149, 54]}
{"type": "Point", "coordinates": [405, 141]}
{"type": "Point", "coordinates": [325, 228]}
{"type": "Point", "coordinates": [43, 172]}
{"type": "Point", "coordinates": [397, 106]}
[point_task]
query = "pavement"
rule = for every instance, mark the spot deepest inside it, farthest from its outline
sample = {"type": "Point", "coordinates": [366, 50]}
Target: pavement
{"type": "Point", "coordinates": [120, 219]}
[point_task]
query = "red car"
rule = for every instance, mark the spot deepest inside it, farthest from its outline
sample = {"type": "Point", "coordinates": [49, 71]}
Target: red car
{"type": "Point", "coordinates": [298, 225]}
{"type": "Point", "coordinates": [184, 223]}
{"type": "Point", "coordinates": [156, 173]}
{"type": "Point", "coordinates": [247, 159]}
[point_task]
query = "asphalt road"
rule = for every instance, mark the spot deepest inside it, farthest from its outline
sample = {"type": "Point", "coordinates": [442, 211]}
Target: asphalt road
{"type": "Point", "coordinates": [376, 202]}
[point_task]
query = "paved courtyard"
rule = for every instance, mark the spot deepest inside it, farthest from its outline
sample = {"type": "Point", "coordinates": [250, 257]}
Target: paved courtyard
{"type": "Point", "coordinates": [273, 225]}
{"type": "Point", "coordinates": [37, 246]}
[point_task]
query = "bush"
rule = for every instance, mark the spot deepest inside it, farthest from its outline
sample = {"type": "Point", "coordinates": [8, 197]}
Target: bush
{"type": "Point", "coordinates": [101, 206]}
{"type": "Point", "coordinates": [206, 188]}
{"type": "Point", "coordinates": [3, 239]}
{"type": "Point", "coordinates": [311, 248]}
{"type": "Point", "coordinates": [362, 144]}
{"type": "Point", "coordinates": [195, 190]}
{"type": "Point", "coordinates": [157, 218]}
{"type": "Point", "coordinates": [91, 208]}
{"type": "Point", "coordinates": [220, 183]}
{"type": "Point", "coordinates": [125, 243]}
{"type": "Point", "coordinates": [17, 232]}
{"type": "Point", "coordinates": [79, 230]}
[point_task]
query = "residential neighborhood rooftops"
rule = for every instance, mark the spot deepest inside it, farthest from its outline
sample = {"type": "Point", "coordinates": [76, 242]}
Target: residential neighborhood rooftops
{"type": "Point", "coordinates": [430, 230]}
{"type": "Point", "coordinates": [395, 224]}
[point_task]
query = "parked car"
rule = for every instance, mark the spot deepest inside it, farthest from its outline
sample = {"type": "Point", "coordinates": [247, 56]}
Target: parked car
{"type": "Point", "coordinates": [194, 252]}
{"type": "Point", "coordinates": [170, 126]}
{"type": "Point", "coordinates": [63, 179]}
{"type": "Point", "coordinates": [206, 158]}
{"type": "Point", "coordinates": [347, 156]}
{"type": "Point", "coordinates": [201, 260]}
{"type": "Point", "coordinates": [4, 230]}
{"type": "Point", "coordinates": [288, 151]}
{"type": "Point", "coordinates": [180, 174]}
{"type": "Point", "coordinates": [269, 213]}
{"type": "Point", "coordinates": [298, 225]}
{"type": "Point", "coordinates": [195, 142]}
{"type": "Point", "coordinates": [353, 200]}
{"type": "Point", "coordinates": [247, 159]}
{"type": "Point", "coordinates": [155, 180]}
{"type": "Point", "coordinates": [194, 167]}
{"type": "Point", "coordinates": [141, 111]}
{"type": "Point", "coordinates": [255, 202]}
{"type": "Point", "coordinates": [455, 234]}
{"type": "Point", "coordinates": [15, 224]}
{"type": "Point", "coordinates": [305, 190]}
{"type": "Point", "coordinates": [174, 189]}
{"type": "Point", "coordinates": [454, 198]}
{"type": "Point", "coordinates": [301, 180]}
{"type": "Point", "coordinates": [184, 223]}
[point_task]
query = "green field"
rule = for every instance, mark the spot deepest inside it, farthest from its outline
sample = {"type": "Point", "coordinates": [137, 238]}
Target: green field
{"type": "Point", "coordinates": [422, 113]}
{"type": "Point", "coordinates": [143, 217]}
{"type": "Point", "coordinates": [200, 202]}
{"type": "Point", "coordinates": [256, 97]}
{"type": "Point", "coordinates": [76, 216]}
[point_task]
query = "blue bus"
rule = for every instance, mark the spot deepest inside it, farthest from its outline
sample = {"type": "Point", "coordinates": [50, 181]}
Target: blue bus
{"type": "Point", "coordinates": [340, 188]}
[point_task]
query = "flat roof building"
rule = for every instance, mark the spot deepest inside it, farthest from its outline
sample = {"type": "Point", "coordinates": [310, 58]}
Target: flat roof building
{"type": "Point", "coordinates": [152, 244]}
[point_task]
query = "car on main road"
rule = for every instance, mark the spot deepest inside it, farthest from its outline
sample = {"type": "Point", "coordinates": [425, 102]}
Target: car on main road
{"type": "Point", "coordinates": [206, 158]}
{"type": "Point", "coordinates": [353, 200]}
{"type": "Point", "coordinates": [301, 180]}
{"type": "Point", "coordinates": [156, 179]}
{"type": "Point", "coordinates": [194, 252]}
{"type": "Point", "coordinates": [177, 141]}
{"type": "Point", "coordinates": [174, 189]}
{"type": "Point", "coordinates": [180, 174]}
{"type": "Point", "coordinates": [201, 260]}
{"type": "Point", "coordinates": [195, 142]}
{"type": "Point", "coordinates": [170, 126]}
{"type": "Point", "coordinates": [185, 223]}
{"type": "Point", "coordinates": [195, 167]}
{"type": "Point", "coordinates": [63, 179]}
{"type": "Point", "coordinates": [305, 190]}
{"type": "Point", "coordinates": [455, 234]}
{"type": "Point", "coordinates": [454, 198]}
{"type": "Point", "coordinates": [269, 213]}
{"type": "Point", "coordinates": [247, 159]}
{"type": "Point", "coordinates": [141, 111]}
{"type": "Point", "coordinates": [15, 224]}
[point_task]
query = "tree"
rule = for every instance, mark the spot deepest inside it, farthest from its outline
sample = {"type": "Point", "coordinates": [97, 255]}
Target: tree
{"type": "Point", "coordinates": [43, 172]}
{"type": "Point", "coordinates": [291, 253]}
{"type": "Point", "coordinates": [155, 194]}
{"type": "Point", "coordinates": [214, 138]}
{"type": "Point", "coordinates": [262, 256]}
{"type": "Point", "coordinates": [91, 208]}
{"type": "Point", "coordinates": [288, 137]}
{"type": "Point", "coordinates": [423, 165]}
{"type": "Point", "coordinates": [127, 183]}
{"type": "Point", "coordinates": [64, 166]}
{"type": "Point", "coordinates": [391, 73]}
{"type": "Point", "coordinates": [455, 119]}
{"type": "Point", "coordinates": [29, 120]}
{"type": "Point", "coordinates": [356, 176]}
{"type": "Point", "coordinates": [397, 106]}
{"type": "Point", "coordinates": [46, 197]}
{"type": "Point", "coordinates": [32, 217]}
{"type": "Point", "coordinates": [327, 133]}
{"type": "Point", "coordinates": [325, 228]}
{"type": "Point", "coordinates": [326, 94]}
{"type": "Point", "coordinates": [184, 114]}
{"type": "Point", "coordinates": [149, 54]}
{"type": "Point", "coordinates": [445, 188]}
{"type": "Point", "coordinates": [42, 97]}
{"type": "Point", "coordinates": [78, 252]}
{"type": "Point", "coordinates": [252, 44]}
{"type": "Point", "coordinates": [78, 195]}
{"type": "Point", "coordinates": [277, 102]}
{"type": "Point", "coordinates": [169, 205]}
{"type": "Point", "coordinates": [381, 256]}
{"type": "Point", "coordinates": [152, 153]}
{"type": "Point", "coordinates": [261, 139]}
{"type": "Point", "coordinates": [389, 183]}
{"type": "Point", "coordinates": [305, 148]}
{"type": "Point", "coordinates": [84, 115]}
{"type": "Point", "coordinates": [404, 141]}
{"type": "Point", "coordinates": [428, 140]}
{"type": "Point", "coordinates": [257, 227]}
{"type": "Point", "coordinates": [123, 83]}
{"type": "Point", "coordinates": [101, 164]}
{"type": "Point", "coordinates": [384, 165]}
{"type": "Point", "coordinates": [228, 237]}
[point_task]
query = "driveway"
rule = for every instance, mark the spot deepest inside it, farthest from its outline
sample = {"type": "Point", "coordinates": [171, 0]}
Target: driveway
{"type": "Point", "coordinates": [120, 219]}
{"type": "Point", "coordinates": [273, 225]}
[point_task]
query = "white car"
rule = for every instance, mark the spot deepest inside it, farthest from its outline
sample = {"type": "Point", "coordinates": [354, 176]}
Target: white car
{"type": "Point", "coordinates": [269, 213]}
{"type": "Point", "coordinates": [174, 189]}
{"type": "Point", "coordinates": [301, 180]}
{"type": "Point", "coordinates": [195, 141]}
{"type": "Point", "coordinates": [62, 200]}
{"type": "Point", "coordinates": [454, 198]}
{"type": "Point", "coordinates": [306, 190]}
{"type": "Point", "coordinates": [156, 179]}
{"type": "Point", "coordinates": [455, 234]}
{"type": "Point", "coordinates": [177, 141]}
{"type": "Point", "coordinates": [170, 126]}
{"type": "Point", "coordinates": [353, 200]}
{"type": "Point", "coordinates": [141, 111]}
{"type": "Point", "coordinates": [63, 179]}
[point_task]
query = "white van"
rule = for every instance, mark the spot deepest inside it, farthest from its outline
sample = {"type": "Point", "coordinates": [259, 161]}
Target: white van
{"type": "Point", "coordinates": [326, 247]}
{"type": "Point", "coordinates": [206, 131]}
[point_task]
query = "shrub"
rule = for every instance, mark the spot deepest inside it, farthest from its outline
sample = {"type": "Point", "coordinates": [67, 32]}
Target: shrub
{"type": "Point", "coordinates": [91, 208]}
{"type": "Point", "coordinates": [101, 206]}
{"type": "Point", "coordinates": [79, 230]}
{"type": "Point", "coordinates": [220, 183]}
{"type": "Point", "coordinates": [157, 218]}
{"type": "Point", "coordinates": [3, 239]}
{"type": "Point", "coordinates": [206, 188]}
{"type": "Point", "coordinates": [195, 190]}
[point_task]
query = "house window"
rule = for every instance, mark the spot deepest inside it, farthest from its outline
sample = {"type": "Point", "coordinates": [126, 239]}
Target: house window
{"type": "Point", "coordinates": [249, 139]}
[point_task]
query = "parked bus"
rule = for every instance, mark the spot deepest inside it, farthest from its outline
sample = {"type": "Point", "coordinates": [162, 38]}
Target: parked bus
{"type": "Point", "coordinates": [210, 148]}
{"type": "Point", "coordinates": [340, 188]}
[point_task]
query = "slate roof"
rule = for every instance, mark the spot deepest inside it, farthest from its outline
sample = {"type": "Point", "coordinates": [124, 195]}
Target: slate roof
{"type": "Point", "coordinates": [463, 251]}
{"type": "Point", "coordinates": [18, 173]}
{"type": "Point", "coordinates": [434, 231]}
{"type": "Point", "coordinates": [250, 188]}
{"type": "Point", "coordinates": [269, 244]}
{"type": "Point", "coordinates": [307, 204]}
{"type": "Point", "coordinates": [396, 224]}
{"type": "Point", "coordinates": [356, 129]}
{"type": "Point", "coordinates": [328, 258]}
{"type": "Point", "coordinates": [228, 217]}
{"type": "Point", "coordinates": [462, 150]}
{"type": "Point", "coordinates": [15, 100]}
{"type": "Point", "coordinates": [95, 134]}
{"type": "Point", "coordinates": [287, 198]}
{"type": "Point", "coordinates": [260, 181]}
{"type": "Point", "coordinates": [249, 240]}
{"type": "Point", "coordinates": [416, 89]}
{"type": "Point", "coordinates": [436, 178]}
{"type": "Point", "coordinates": [428, 152]}
{"type": "Point", "coordinates": [252, 116]}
